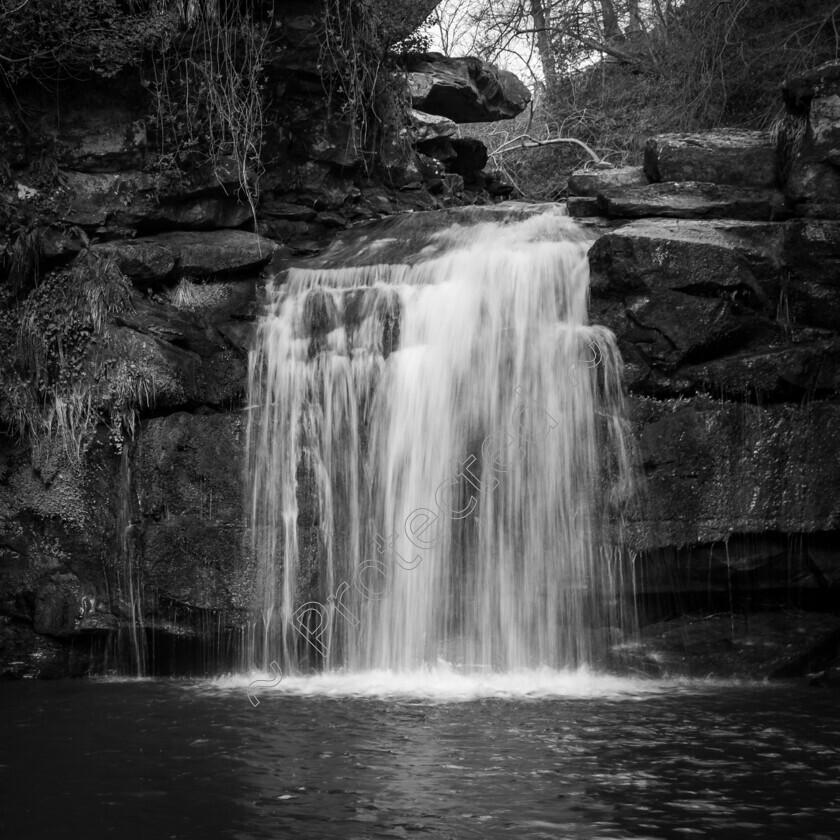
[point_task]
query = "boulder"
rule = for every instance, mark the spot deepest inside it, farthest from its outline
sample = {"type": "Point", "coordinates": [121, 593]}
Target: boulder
{"type": "Point", "coordinates": [439, 148]}
{"type": "Point", "coordinates": [155, 258]}
{"type": "Point", "coordinates": [818, 82]}
{"type": "Point", "coordinates": [723, 156]}
{"type": "Point", "coordinates": [431, 126]}
{"type": "Point", "coordinates": [682, 293]}
{"type": "Point", "coordinates": [464, 89]}
{"type": "Point", "coordinates": [737, 258]}
{"type": "Point", "coordinates": [590, 182]}
{"type": "Point", "coordinates": [470, 157]}
{"type": "Point", "coordinates": [692, 200]}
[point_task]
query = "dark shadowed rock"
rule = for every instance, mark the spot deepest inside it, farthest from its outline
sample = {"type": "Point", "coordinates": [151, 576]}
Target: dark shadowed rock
{"type": "Point", "coordinates": [811, 251]}
{"type": "Point", "coordinates": [470, 157]}
{"type": "Point", "coordinates": [820, 82]}
{"type": "Point", "coordinates": [789, 371]}
{"type": "Point", "coordinates": [741, 564]}
{"type": "Point", "coordinates": [690, 256]}
{"type": "Point", "coordinates": [712, 468]}
{"type": "Point", "coordinates": [143, 260]}
{"type": "Point", "coordinates": [723, 156]}
{"type": "Point", "coordinates": [154, 258]}
{"type": "Point", "coordinates": [97, 201]}
{"type": "Point", "coordinates": [439, 148]}
{"type": "Point", "coordinates": [583, 206]}
{"type": "Point", "coordinates": [590, 182]}
{"type": "Point", "coordinates": [757, 645]}
{"type": "Point", "coordinates": [464, 89]}
{"type": "Point", "coordinates": [810, 141]}
{"type": "Point", "coordinates": [189, 488]}
{"type": "Point", "coordinates": [693, 200]}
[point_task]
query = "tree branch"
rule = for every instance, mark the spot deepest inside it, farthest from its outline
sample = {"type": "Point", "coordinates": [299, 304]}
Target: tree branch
{"type": "Point", "coordinates": [525, 141]}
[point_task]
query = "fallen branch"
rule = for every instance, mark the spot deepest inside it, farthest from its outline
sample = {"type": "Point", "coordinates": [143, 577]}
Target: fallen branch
{"type": "Point", "coordinates": [525, 141]}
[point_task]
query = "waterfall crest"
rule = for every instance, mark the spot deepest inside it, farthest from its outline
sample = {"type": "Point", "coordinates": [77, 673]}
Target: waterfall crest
{"type": "Point", "coordinates": [438, 454]}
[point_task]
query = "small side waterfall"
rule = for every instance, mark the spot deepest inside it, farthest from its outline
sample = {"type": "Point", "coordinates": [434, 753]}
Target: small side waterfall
{"type": "Point", "coordinates": [438, 454]}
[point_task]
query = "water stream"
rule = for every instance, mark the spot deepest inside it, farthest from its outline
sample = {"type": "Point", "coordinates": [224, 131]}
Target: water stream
{"type": "Point", "coordinates": [438, 453]}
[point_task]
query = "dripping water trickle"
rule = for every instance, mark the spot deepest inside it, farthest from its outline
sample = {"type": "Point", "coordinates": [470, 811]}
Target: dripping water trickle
{"type": "Point", "coordinates": [438, 454]}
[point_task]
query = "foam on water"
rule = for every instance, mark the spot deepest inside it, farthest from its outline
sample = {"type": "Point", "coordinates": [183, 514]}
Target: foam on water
{"type": "Point", "coordinates": [445, 684]}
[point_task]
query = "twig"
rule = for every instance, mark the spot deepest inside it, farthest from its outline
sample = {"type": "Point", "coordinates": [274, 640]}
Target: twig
{"type": "Point", "coordinates": [525, 141]}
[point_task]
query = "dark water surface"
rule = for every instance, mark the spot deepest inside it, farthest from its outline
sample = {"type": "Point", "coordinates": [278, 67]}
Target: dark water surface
{"type": "Point", "coordinates": [161, 759]}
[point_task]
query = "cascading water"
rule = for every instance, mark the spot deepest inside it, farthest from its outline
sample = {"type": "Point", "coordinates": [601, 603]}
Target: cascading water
{"type": "Point", "coordinates": [437, 452]}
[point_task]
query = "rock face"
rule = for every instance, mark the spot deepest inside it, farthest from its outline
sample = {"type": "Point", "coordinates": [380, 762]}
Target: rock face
{"type": "Point", "coordinates": [692, 200]}
{"type": "Point", "coordinates": [713, 469]}
{"type": "Point", "coordinates": [464, 89]}
{"type": "Point", "coordinates": [590, 182]}
{"type": "Point", "coordinates": [726, 313]}
{"type": "Point", "coordinates": [811, 140]}
{"type": "Point", "coordinates": [146, 526]}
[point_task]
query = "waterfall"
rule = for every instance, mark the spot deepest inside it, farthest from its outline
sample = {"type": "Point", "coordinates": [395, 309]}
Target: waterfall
{"type": "Point", "coordinates": [438, 453]}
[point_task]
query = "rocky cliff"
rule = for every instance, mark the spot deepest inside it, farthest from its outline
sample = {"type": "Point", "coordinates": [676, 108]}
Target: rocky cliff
{"type": "Point", "coordinates": [717, 270]}
{"type": "Point", "coordinates": [131, 274]}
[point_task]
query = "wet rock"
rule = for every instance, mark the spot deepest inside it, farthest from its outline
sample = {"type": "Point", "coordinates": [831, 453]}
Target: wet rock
{"type": "Point", "coordinates": [693, 200]}
{"type": "Point", "coordinates": [714, 467]}
{"type": "Point", "coordinates": [760, 645]}
{"type": "Point", "coordinates": [724, 156]}
{"type": "Point", "coordinates": [25, 654]}
{"type": "Point", "coordinates": [464, 89]}
{"type": "Point", "coordinates": [590, 182]}
{"type": "Point", "coordinates": [743, 568]}
{"type": "Point", "coordinates": [189, 489]}
{"type": "Point", "coordinates": [718, 258]}
{"type": "Point", "coordinates": [811, 254]}
{"type": "Point", "coordinates": [787, 372]}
